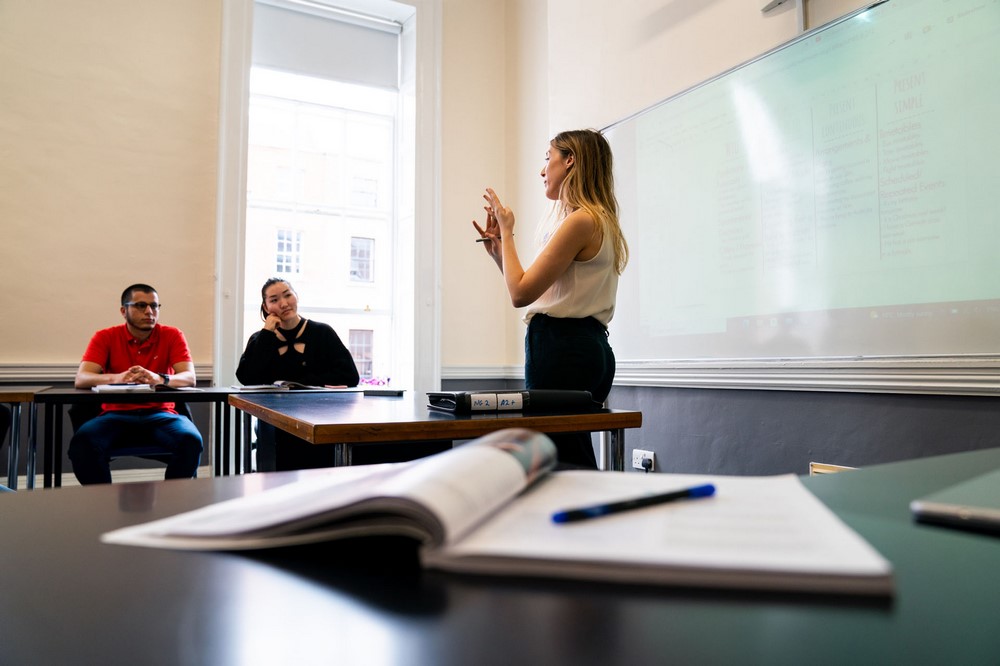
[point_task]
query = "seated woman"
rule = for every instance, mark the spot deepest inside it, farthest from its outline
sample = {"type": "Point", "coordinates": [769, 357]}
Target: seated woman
{"type": "Point", "coordinates": [292, 348]}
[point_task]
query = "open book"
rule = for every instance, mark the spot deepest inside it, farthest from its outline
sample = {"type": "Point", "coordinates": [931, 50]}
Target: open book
{"type": "Point", "coordinates": [122, 388]}
{"type": "Point", "coordinates": [281, 385]}
{"type": "Point", "coordinates": [486, 507]}
{"type": "Point", "coordinates": [139, 388]}
{"type": "Point", "coordinates": [285, 385]}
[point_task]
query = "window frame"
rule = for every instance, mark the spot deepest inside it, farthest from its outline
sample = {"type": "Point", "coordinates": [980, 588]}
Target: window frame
{"type": "Point", "coordinates": [421, 369]}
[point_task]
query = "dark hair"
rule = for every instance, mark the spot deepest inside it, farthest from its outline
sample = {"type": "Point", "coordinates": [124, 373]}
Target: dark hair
{"type": "Point", "coordinates": [263, 296]}
{"type": "Point", "coordinates": [127, 294]}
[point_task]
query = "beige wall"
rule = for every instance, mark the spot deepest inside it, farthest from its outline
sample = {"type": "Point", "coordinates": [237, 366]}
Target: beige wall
{"type": "Point", "coordinates": [606, 64]}
{"type": "Point", "coordinates": [495, 132]}
{"type": "Point", "coordinates": [566, 64]}
{"type": "Point", "coordinates": [473, 154]}
{"type": "Point", "coordinates": [108, 132]}
{"type": "Point", "coordinates": [108, 117]}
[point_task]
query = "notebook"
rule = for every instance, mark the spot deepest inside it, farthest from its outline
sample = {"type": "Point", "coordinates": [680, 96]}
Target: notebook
{"type": "Point", "coordinates": [489, 507]}
{"type": "Point", "coordinates": [972, 505]}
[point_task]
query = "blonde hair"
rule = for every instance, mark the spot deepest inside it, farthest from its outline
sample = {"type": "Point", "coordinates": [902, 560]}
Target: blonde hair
{"type": "Point", "coordinates": [590, 185]}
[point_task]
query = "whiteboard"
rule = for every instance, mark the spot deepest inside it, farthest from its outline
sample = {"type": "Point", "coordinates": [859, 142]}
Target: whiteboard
{"type": "Point", "coordinates": [832, 201]}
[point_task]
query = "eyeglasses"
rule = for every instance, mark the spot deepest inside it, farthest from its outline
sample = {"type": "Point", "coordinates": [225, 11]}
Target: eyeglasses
{"type": "Point", "coordinates": [141, 306]}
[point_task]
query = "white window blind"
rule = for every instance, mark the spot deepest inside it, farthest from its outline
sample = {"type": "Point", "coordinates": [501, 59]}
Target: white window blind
{"type": "Point", "coordinates": [304, 43]}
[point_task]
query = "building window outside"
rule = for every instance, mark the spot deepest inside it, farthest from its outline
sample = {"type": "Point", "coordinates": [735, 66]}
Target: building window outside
{"type": "Point", "coordinates": [364, 192]}
{"type": "Point", "coordinates": [360, 346]}
{"type": "Point", "coordinates": [362, 250]}
{"type": "Point", "coordinates": [321, 179]}
{"type": "Point", "coordinates": [288, 258]}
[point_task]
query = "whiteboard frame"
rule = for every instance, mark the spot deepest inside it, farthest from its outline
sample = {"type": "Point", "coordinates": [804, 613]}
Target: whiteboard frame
{"type": "Point", "coordinates": [939, 375]}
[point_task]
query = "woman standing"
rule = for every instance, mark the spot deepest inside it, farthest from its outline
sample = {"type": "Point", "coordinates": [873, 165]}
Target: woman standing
{"type": "Point", "coordinates": [292, 348]}
{"type": "Point", "coordinates": [571, 287]}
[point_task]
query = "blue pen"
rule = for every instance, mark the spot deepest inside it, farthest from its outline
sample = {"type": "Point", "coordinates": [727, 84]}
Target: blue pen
{"type": "Point", "coordinates": [583, 513]}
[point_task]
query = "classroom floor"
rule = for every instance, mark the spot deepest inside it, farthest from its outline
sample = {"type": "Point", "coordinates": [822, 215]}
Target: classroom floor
{"type": "Point", "coordinates": [117, 476]}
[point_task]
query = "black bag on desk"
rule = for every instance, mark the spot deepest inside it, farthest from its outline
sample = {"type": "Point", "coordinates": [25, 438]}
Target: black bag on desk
{"type": "Point", "coordinates": [535, 400]}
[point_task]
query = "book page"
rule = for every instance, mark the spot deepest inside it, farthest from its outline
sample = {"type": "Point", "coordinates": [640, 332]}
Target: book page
{"type": "Point", "coordinates": [432, 499]}
{"type": "Point", "coordinates": [247, 521]}
{"type": "Point", "coordinates": [259, 387]}
{"type": "Point", "coordinates": [755, 531]}
{"type": "Point", "coordinates": [121, 388]}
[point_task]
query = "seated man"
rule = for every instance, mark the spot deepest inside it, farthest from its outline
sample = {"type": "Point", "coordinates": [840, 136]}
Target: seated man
{"type": "Point", "coordinates": [138, 351]}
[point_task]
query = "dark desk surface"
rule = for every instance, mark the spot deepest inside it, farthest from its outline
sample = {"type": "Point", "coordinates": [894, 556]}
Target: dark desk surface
{"type": "Point", "coordinates": [70, 396]}
{"type": "Point", "coordinates": [323, 418]}
{"type": "Point", "coordinates": [352, 418]}
{"type": "Point", "coordinates": [19, 394]}
{"type": "Point", "coordinates": [66, 598]}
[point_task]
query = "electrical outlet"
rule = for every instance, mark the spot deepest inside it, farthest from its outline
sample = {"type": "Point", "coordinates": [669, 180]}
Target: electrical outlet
{"type": "Point", "coordinates": [638, 455]}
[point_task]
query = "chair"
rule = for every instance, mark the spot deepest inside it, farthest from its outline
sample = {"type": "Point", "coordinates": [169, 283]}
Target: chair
{"type": "Point", "coordinates": [80, 413]}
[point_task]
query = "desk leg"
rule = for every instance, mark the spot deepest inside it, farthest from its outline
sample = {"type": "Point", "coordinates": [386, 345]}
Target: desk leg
{"type": "Point", "coordinates": [241, 432]}
{"type": "Point", "coordinates": [15, 445]}
{"type": "Point", "coordinates": [217, 449]}
{"type": "Point", "coordinates": [57, 448]}
{"type": "Point", "coordinates": [50, 411]}
{"type": "Point", "coordinates": [247, 442]}
{"type": "Point", "coordinates": [32, 435]}
{"type": "Point", "coordinates": [230, 448]}
{"type": "Point", "coordinates": [234, 439]}
{"type": "Point", "coordinates": [235, 425]}
{"type": "Point", "coordinates": [614, 451]}
{"type": "Point", "coordinates": [341, 455]}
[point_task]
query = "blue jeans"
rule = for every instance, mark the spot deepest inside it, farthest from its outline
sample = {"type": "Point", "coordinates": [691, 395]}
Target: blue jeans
{"type": "Point", "coordinates": [569, 354]}
{"type": "Point", "coordinates": [97, 439]}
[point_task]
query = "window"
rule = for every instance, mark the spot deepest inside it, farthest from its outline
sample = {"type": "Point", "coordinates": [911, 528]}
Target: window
{"type": "Point", "coordinates": [321, 174]}
{"type": "Point", "coordinates": [360, 346]}
{"type": "Point", "coordinates": [364, 192]}
{"type": "Point", "coordinates": [361, 259]}
{"type": "Point", "coordinates": [289, 251]}
{"type": "Point", "coordinates": [348, 65]}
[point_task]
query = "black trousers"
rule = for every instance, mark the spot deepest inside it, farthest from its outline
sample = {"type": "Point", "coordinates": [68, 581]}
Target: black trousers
{"type": "Point", "coordinates": [569, 354]}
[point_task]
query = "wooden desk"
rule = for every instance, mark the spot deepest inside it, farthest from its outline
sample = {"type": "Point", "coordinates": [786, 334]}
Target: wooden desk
{"type": "Point", "coordinates": [55, 399]}
{"type": "Point", "coordinates": [344, 419]}
{"type": "Point", "coordinates": [16, 396]}
{"type": "Point", "coordinates": [114, 604]}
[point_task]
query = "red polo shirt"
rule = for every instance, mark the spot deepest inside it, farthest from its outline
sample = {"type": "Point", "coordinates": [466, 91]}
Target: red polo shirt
{"type": "Point", "coordinates": [115, 350]}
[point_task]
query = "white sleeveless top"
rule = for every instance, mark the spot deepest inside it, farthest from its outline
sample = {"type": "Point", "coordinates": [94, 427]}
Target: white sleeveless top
{"type": "Point", "coordinates": [586, 289]}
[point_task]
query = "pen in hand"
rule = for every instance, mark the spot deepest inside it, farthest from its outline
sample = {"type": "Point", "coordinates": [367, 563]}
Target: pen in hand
{"type": "Point", "coordinates": [482, 240]}
{"type": "Point", "coordinates": [583, 513]}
